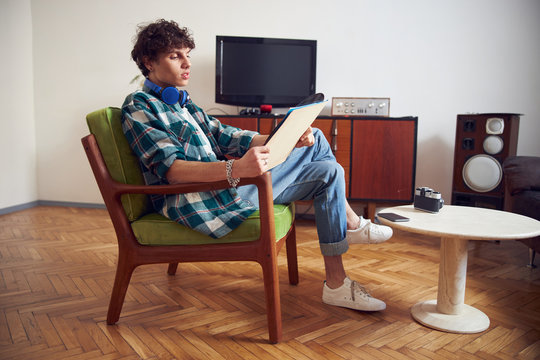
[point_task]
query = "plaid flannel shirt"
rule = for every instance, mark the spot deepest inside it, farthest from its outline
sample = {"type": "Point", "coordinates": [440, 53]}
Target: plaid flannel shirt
{"type": "Point", "coordinates": [159, 134]}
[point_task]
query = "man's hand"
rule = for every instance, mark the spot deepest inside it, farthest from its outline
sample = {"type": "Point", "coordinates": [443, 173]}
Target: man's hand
{"type": "Point", "coordinates": [307, 139]}
{"type": "Point", "coordinates": [253, 163]}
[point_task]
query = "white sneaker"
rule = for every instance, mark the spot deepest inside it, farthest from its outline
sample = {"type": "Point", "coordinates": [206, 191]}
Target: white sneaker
{"type": "Point", "coordinates": [353, 296]}
{"type": "Point", "coordinates": [369, 233]}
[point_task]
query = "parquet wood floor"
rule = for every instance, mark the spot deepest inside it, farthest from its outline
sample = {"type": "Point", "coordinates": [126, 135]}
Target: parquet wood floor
{"type": "Point", "coordinates": [57, 267]}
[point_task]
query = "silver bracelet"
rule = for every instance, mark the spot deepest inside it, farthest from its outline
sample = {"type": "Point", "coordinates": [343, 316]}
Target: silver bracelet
{"type": "Point", "coordinates": [232, 181]}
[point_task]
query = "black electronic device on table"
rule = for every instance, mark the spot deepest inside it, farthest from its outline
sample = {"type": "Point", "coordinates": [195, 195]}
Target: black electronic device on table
{"type": "Point", "coordinates": [393, 217]}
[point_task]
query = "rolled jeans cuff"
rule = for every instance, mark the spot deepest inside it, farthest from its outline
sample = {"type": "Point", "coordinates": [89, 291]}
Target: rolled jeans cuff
{"type": "Point", "coordinates": [334, 249]}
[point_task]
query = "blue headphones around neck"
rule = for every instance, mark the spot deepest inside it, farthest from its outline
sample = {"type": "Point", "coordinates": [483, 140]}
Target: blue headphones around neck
{"type": "Point", "coordinates": [170, 95]}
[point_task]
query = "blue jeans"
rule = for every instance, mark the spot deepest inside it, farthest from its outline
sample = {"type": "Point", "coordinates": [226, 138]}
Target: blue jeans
{"type": "Point", "coordinates": [312, 173]}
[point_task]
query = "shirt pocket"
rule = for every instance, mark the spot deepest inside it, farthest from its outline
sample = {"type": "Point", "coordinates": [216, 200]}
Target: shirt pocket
{"type": "Point", "coordinates": [189, 141]}
{"type": "Point", "coordinates": [182, 131]}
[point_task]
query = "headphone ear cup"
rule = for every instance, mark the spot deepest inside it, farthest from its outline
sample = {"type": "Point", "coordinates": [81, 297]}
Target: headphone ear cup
{"type": "Point", "coordinates": [170, 95]}
{"type": "Point", "coordinates": [183, 97]}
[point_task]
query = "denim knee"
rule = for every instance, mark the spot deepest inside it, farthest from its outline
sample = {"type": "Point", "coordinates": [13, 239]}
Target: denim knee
{"type": "Point", "coordinates": [332, 173]}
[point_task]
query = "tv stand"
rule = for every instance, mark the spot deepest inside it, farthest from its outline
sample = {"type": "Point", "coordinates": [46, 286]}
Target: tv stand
{"type": "Point", "coordinates": [377, 153]}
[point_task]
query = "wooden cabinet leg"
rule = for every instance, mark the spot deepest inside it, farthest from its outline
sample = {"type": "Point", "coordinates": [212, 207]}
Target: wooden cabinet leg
{"type": "Point", "coordinates": [371, 208]}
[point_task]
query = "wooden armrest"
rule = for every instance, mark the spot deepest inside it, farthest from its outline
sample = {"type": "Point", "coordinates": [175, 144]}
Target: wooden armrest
{"type": "Point", "coordinates": [121, 188]}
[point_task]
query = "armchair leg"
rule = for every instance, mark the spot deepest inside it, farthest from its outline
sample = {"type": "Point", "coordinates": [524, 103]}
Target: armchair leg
{"type": "Point", "coordinates": [292, 257]}
{"type": "Point", "coordinates": [273, 305]}
{"type": "Point", "coordinates": [124, 270]}
{"type": "Point", "coordinates": [532, 254]}
{"type": "Point", "coordinates": [172, 268]}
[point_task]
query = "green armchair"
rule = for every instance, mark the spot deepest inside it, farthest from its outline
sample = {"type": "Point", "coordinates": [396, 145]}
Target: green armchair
{"type": "Point", "coordinates": [146, 237]}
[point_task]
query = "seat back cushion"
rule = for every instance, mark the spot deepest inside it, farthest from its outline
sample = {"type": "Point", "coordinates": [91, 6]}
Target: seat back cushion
{"type": "Point", "coordinates": [155, 229]}
{"type": "Point", "coordinates": [123, 165]}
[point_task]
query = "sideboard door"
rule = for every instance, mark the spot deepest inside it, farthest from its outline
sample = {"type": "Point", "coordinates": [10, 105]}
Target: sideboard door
{"type": "Point", "coordinates": [383, 159]}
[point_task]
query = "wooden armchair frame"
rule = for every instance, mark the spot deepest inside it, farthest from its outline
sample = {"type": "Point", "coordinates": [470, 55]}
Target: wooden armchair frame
{"type": "Point", "coordinates": [132, 254]}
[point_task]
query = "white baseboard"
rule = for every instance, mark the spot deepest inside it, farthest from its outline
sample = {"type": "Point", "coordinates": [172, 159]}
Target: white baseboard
{"type": "Point", "coordinates": [11, 209]}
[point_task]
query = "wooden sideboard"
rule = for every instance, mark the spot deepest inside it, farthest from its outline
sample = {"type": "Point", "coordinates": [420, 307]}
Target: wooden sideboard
{"type": "Point", "coordinates": [377, 153]}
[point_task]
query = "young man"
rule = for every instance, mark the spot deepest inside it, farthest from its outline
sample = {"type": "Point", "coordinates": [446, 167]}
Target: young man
{"type": "Point", "coordinates": [176, 142]}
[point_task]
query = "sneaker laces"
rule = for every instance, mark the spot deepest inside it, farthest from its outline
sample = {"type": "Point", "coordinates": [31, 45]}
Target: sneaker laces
{"type": "Point", "coordinates": [360, 288]}
{"type": "Point", "coordinates": [370, 228]}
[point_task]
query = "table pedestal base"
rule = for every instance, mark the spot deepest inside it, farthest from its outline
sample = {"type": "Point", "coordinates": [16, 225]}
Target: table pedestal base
{"type": "Point", "coordinates": [469, 321]}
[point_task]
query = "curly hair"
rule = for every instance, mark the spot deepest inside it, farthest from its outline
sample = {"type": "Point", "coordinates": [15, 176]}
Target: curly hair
{"type": "Point", "coordinates": [156, 38]}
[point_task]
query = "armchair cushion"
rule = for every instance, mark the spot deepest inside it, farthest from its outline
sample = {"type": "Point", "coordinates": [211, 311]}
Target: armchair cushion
{"type": "Point", "coordinates": [155, 229]}
{"type": "Point", "coordinates": [123, 165]}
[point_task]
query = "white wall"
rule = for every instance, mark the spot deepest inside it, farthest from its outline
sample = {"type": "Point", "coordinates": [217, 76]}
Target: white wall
{"type": "Point", "coordinates": [434, 59]}
{"type": "Point", "coordinates": [17, 128]}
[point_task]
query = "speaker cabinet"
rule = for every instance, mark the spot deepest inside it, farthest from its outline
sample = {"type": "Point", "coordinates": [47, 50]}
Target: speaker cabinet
{"type": "Point", "coordinates": [483, 142]}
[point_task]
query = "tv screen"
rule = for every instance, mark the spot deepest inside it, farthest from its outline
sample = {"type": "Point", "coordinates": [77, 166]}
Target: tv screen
{"type": "Point", "coordinates": [264, 71]}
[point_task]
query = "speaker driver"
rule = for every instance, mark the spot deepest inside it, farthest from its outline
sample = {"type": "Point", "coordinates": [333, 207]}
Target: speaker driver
{"type": "Point", "coordinates": [493, 144]}
{"type": "Point", "coordinates": [482, 173]}
{"type": "Point", "coordinates": [495, 126]}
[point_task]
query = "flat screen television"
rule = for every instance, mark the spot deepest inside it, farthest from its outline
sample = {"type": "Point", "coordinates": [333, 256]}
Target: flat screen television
{"type": "Point", "coordinates": [254, 71]}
